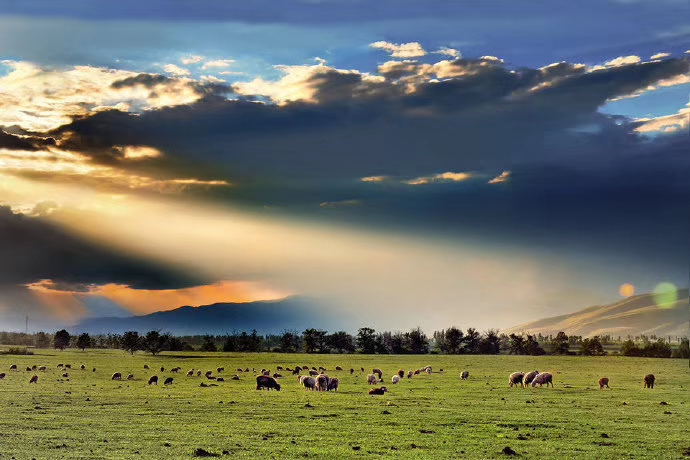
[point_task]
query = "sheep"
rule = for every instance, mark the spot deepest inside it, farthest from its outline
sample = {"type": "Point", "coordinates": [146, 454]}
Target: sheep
{"type": "Point", "coordinates": [427, 369]}
{"type": "Point", "coordinates": [208, 374]}
{"type": "Point", "coordinates": [417, 372]}
{"type": "Point", "coordinates": [83, 367]}
{"type": "Point", "coordinates": [649, 381]}
{"type": "Point", "coordinates": [333, 384]}
{"type": "Point", "coordinates": [2, 375]}
{"type": "Point", "coordinates": [175, 370]}
{"type": "Point", "coordinates": [352, 371]}
{"type": "Point", "coordinates": [190, 373]}
{"type": "Point", "coordinates": [361, 369]}
{"type": "Point", "coordinates": [220, 369]}
{"type": "Point", "coordinates": [409, 375]}
{"type": "Point", "coordinates": [267, 373]}
{"type": "Point", "coordinates": [378, 391]}
{"type": "Point", "coordinates": [239, 369]}
{"type": "Point", "coordinates": [168, 381]}
{"type": "Point", "coordinates": [371, 379]}
{"type": "Point", "coordinates": [279, 368]}
{"type": "Point", "coordinates": [28, 369]}
{"type": "Point", "coordinates": [34, 379]}
{"type": "Point", "coordinates": [465, 375]}
{"type": "Point", "coordinates": [116, 376]}
{"type": "Point", "coordinates": [210, 377]}
{"type": "Point", "coordinates": [130, 377]}
{"type": "Point", "coordinates": [541, 379]}
{"type": "Point", "coordinates": [65, 375]}
{"type": "Point", "coordinates": [277, 375]}
{"type": "Point", "coordinates": [153, 380]}
{"type": "Point", "coordinates": [68, 366]}
{"type": "Point", "coordinates": [34, 367]}
{"type": "Point", "coordinates": [267, 382]}
{"type": "Point", "coordinates": [220, 379]}
{"type": "Point", "coordinates": [307, 382]}
{"type": "Point", "coordinates": [322, 382]}
{"type": "Point", "coordinates": [395, 379]}
{"type": "Point", "coordinates": [235, 377]}
{"type": "Point", "coordinates": [13, 367]}
{"type": "Point", "coordinates": [604, 382]}
{"type": "Point", "coordinates": [322, 369]}
{"type": "Point", "coordinates": [94, 369]}
{"type": "Point", "coordinates": [60, 366]}
{"type": "Point", "coordinates": [42, 368]}
{"type": "Point", "coordinates": [401, 373]}
{"type": "Point", "coordinates": [516, 378]}
{"type": "Point", "coordinates": [295, 371]}
{"type": "Point", "coordinates": [246, 370]}
{"type": "Point", "coordinates": [146, 366]}
{"type": "Point", "coordinates": [338, 368]}
{"type": "Point", "coordinates": [313, 373]}
{"type": "Point", "coordinates": [379, 373]}
{"type": "Point", "coordinates": [198, 373]}
{"type": "Point", "coordinates": [529, 377]}
{"type": "Point", "coordinates": [162, 369]}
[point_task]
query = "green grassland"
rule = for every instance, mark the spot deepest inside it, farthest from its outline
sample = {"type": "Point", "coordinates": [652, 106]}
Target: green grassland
{"type": "Point", "coordinates": [428, 416]}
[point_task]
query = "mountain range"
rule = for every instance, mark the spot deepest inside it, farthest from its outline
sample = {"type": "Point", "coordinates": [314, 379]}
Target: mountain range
{"type": "Point", "coordinates": [635, 315]}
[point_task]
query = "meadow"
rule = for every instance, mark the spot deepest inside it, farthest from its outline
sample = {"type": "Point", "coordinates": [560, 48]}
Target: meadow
{"type": "Point", "coordinates": [428, 416]}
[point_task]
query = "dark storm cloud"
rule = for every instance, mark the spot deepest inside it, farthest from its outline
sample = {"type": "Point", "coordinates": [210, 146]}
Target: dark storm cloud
{"type": "Point", "coordinates": [489, 117]}
{"type": "Point", "coordinates": [32, 143]}
{"type": "Point", "coordinates": [33, 250]}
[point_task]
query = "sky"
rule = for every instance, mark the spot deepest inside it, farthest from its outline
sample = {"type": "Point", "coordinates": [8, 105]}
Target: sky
{"type": "Point", "coordinates": [405, 163]}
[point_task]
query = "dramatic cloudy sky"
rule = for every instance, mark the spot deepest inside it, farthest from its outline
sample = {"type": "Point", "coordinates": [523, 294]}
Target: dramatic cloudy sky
{"type": "Point", "coordinates": [409, 163]}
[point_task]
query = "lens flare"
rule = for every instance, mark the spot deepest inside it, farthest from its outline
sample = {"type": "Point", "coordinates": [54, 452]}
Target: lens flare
{"type": "Point", "coordinates": [665, 295]}
{"type": "Point", "coordinates": [627, 290]}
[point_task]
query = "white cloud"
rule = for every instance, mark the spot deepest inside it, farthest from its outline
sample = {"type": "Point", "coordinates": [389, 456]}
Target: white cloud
{"type": "Point", "coordinates": [442, 177]}
{"type": "Point", "coordinates": [217, 64]}
{"type": "Point", "coordinates": [402, 50]}
{"type": "Point", "coordinates": [195, 59]}
{"type": "Point", "coordinates": [176, 70]}
{"type": "Point", "coordinates": [374, 179]}
{"type": "Point", "coordinates": [659, 56]}
{"type": "Point", "coordinates": [623, 60]}
{"type": "Point", "coordinates": [452, 52]}
{"type": "Point", "coordinates": [667, 124]}
{"type": "Point", "coordinates": [503, 177]}
{"type": "Point", "coordinates": [138, 152]}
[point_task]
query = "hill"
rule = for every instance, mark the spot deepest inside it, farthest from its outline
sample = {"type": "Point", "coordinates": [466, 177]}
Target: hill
{"type": "Point", "coordinates": [267, 317]}
{"type": "Point", "coordinates": [634, 315]}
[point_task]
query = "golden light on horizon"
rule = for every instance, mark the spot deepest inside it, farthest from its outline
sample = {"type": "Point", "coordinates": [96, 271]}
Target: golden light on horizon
{"type": "Point", "coordinates": [627, 290]}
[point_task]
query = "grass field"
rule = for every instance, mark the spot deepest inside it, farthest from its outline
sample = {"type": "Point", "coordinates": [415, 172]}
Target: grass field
{"type": "Point", "coordinates": [428, 416]}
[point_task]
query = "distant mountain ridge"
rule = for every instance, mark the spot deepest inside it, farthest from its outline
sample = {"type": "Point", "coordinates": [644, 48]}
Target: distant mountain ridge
{"type": "Point", "coordinates": [267, 317]}
{"type": "Point", "coordinates": [634, 315]}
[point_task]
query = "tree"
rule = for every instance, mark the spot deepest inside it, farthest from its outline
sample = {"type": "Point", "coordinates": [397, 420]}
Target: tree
{"type": "Point", "coordinates": [230, 343]}
{"type": "Point", "coordinates": [130, 342]}
{"type": "Point", "coordinates": [341, 341]}
{"type": "Point", "coordinates": [209, 344]}
{"type": "Point", "coordinates": [630, 349]}
{"type": "Point", "coordinates": [366, 340]}
{"type": "Point", "coordinates": [418, 342]}
{"type": "Point", "coordinates": [42, 340]}
{"type": "Point", "coordinates": [453, 340]}
{"type": "Point", "coordinates": [154, 342]}
{"type": "Point", "coordinates": [559, 345]}
{"type": "Point", "coordinates": [472, 341]}
{"type": "Point", "coordinates": [61, 339]}
{"type": "Point", "coordinates": [490, 344]}
{"type": "Point", "coordinates": [314, 340]}
{"type": "Point", "coordinates": [532, 347]}
{"type": "Point", "coordinates": [683, 350]}
{"type": "Point", "coordinates": [84, 341]}
{"type": "Point", "coordinates": [592, 347]}
{"type": "Point", "coordinates": [289, 342]}
{"type": "Point", "coordinates": [517, 345]}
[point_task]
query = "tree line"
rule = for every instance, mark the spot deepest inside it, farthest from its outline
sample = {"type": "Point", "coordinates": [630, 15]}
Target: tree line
{"type": "Point", "coordinates": [367, 341]}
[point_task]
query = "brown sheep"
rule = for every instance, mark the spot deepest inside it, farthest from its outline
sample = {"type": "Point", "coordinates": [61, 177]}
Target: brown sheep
{"type": "Point", "coordinates": [116, 376]}
{"type": "Point", "coordinates": [2, 375]}
{"type": "Point", "coordinates": [267, 382]}
{"type": "Point", "coordinates": [168, 381]}
{"type": "Point", "coordinates": [516, 378]}
{"type": "Point", "coordinates": [280, 368]}
{"type": "Point", "coordinates": [378, 391]}
{"type": "Point", "coordinates": [371, 379]}
{"type": "Point", "coordinates": [190, 373]}
{"type": "Point", "coordinates": [322, 369]}
{"type": "Point", "coordinates": [465, 375]}
{"type": "Point", "coordinates": [42, 368]}
{"type": "Point", "coordinates": [361, 369]}
{"type": "Point", "coordinates": [649, 381]}
{"type": "Point", "coordinates": [333, 384]}
{"type": "Point", "coordinates": [235, 377]}
{"type": "Point", "coordinates": [409, 375]}
{"type": "Point", "coordinates": [146, 366]}
{"type": "Point", "coordinates": [65, 375]}
{"type": "Point", "coordinates": [28, 369]}
{"type": "Point", "coordinates": [417, 372]}
{"type": "Point", "coordinates": [94, 369]}
{"type": "Point", "coordinates": [352, 371]}
{"type": "Point", "coordinates": [277, 375]}
{"type": "Point", "coordinates": [308, 383]}
{"type": "Point", "coordinates": [529, 377]}
{"type": "Point", "coordinates": [162, 369]}
{"type": "Point", "coordinates": [208, 374]}
{"type": "Point", "coordinates": [267, 373]}
{"type": "Point", "coordinates": [313, 373]}
{"type": "Point", "coordinates": [379, 373]}
{"type": "Point", "coordinates": [175, 370]}
{"type": "Point", "coordinates": [220, 379]}
{"type": "Point", "coordinates": [604, 382]}
{"type": "Point", "coordinates": [220, 369]}
{"type": "Point", "coordinates": [401, 373]}
{"type": "Point", "coordinates": [338, 368]}
{"type": "Point", "coordinates": [83, 367]}
{"type": "Point", "coordinates": [153, 380]}
{"type": "Point", "coordinates": [34, 367]}
{"type": "Point", "coordinates": [322, 382]}
{"type": "Point", "coordinates": [68, 366]}
{"type": "Point", "coordinates": [198, 373]}
{"type": "Point", "coordinates": [13, 367]}
{"type": "Point", "coordinates": [543, 378]}
{"type": "Point", "coordinates": [239, 369]}
{"type": "Point", "coordinates": [60, 366]}
{"type": "Point", "coordinates": [130, 377]}
{"type": "Point", "coordinates": [295, 371]}
{"type": "Point", "coordinates": [34, 379]}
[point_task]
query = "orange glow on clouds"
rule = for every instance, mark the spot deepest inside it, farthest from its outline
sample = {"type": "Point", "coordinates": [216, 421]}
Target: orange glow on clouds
{"type": "Point", "coordinates": [69, 305]}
